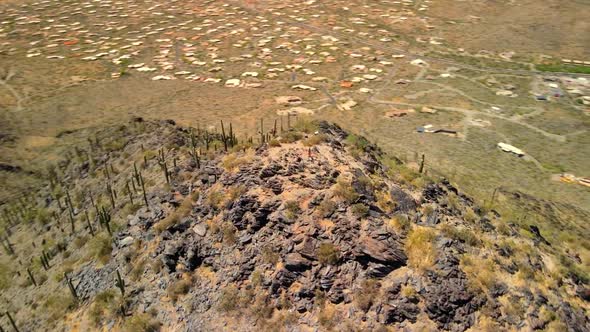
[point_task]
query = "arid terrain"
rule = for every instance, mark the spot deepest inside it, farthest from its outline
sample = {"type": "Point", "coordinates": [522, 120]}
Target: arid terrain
{"type": "Point", "coordinates": [491, 96]}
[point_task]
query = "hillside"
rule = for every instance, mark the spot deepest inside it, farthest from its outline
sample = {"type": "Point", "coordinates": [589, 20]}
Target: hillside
{"type": "Point", "coordinates": [152, 226]}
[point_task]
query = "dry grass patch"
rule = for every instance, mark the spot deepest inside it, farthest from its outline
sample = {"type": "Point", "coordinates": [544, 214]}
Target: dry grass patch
{"type": "Point", "coordinates": [480, 272]}
{"type": "Point", "coordinates": [229, 299]}
{"type": "Point", "coordinates": [344, 190]}
{"type": "Point", "coordinates": [400, 223]}
{"type": "Point", "coordinates": [178, 288]}
{"type": "Point", "coordinates": [314, 140]}
{"type": "Point", "coordinates": [106, 306]}
{"type": "Point", "coordinates": [141, 322]}
{"type": "Point", "coordinates": [173, 218]}
{"type": "Point", "coordinates": [328, 254]}
{"type": "Point", "coordinates": [366, 294]}
{"type": "Point", "coordinates": [100, 248]}
{"type": "Point", "coordinates": [420, 248]}
{"type": "Point", "coordinates": [233, 161]}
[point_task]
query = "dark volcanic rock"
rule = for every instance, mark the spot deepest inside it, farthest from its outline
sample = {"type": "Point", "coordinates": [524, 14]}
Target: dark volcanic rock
{"type": "Point", "coordinates": [404, 202]}
{"type": "Point", "coordinates": [386, 251]}
{"type": "Point", "coordinates": [399, 312]}
{"type": "Point", "coordinates": [296, 262]}
{"type": "Point", "coordinates": [449, 302]}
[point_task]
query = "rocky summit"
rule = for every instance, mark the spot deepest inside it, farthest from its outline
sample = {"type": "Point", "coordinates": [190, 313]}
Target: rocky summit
{"type": "Point", "coordinates": [152, 226]}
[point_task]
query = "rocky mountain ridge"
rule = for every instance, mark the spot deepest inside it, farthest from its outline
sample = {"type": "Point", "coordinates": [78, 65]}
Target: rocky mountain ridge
{"type": "Point", "coordinates": [312, 229]}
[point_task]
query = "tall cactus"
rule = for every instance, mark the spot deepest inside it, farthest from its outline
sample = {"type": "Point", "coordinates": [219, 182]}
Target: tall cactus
{"type": "Point", "coordinates": [31, 277]}
{"type": "Point", "coordinates": [119, 282]}
{"type": "Point", "coordinates": [90, 229]}
{"type": "Point", "coordinates": [163, 165]}
{"type": "Point", "coordinates": [71, 287]}
{"type": "Point", "coordinates": [104, 218]}
{"type": "Point", "coordinates": [12, 321]}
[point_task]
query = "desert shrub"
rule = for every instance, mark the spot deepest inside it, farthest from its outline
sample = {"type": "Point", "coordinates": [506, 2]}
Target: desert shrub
{"type": "Point", "coordinates": [115, 145]}
{"type": "Point", "coordinates": [80, 241]}
{"type": "Point", "coordinates": [5, 272]}
{"type": "Point", "coordinates": [141, 322]}
{"type": "Point", "coordinates": [480, 272]}
{"type": "Point", "coordinates": [235, 192]}
{"type": "Point", "coordinates": [149, 154]}
{"type": "Point", "coordinates": [359, 210]}
{"type": "Point", "coordinates": [306, 125]}
{"type": "Point", "coordinates": [58, 305]}
{"type": "Point", "coordinates": [409, 292]}
{"type": "Point", "coordinates": [461, 234]}
{"type": "Point", "coordinates": [503, 228]}
{"type": "Point", "coordinates": [156, 265]}
{"type": "Point", "coordinates": [327, 316]}
{"type": "Point", "coordinates": [42, 216]}
{"type": "Point", "coordinates": [174, 217]}
{"type": "Point", "coordinates": [470, 215]}
{"type": "Point", "coordinates": [228, 300]}
{"type": "Point", "coordinates": [487, 324]}
{"type": "Point", "coordinates": [405, 174]}
{"type": "Point", "coordinates": [314, 140]}
{"type": "Point", "coordinates": [326, 208]}
{"type": "Point", "coordinates": [366, 294]}
{"type": "Point", "coordinates": [130, 209]}
{"type": "Point", "coordinates": [420, 248]}
{"type": "Point", "coordinates": [290, 137]}
{"type": "Point", "coordinates": [106, 305]}
{"type": "Point", "coordinates": [512, 307]}
{"type": "Point", "coordinates": [138, 269]}
{"type": "Point", "coordinates": [178, 288]}
{"type": "Point", "coordinates": [328, 254]}
{"type": "Point", "coordinates": [452, 201]}
{"type": "Point", "coordinates": [365, 183]}
{"type": "Point", "coordinates": [292, 209]}
{"type": "Point", "coordinates": [400, 223]}
{"type": "Point", "coordinates": [100, 247]}
{"type": "Point", "coordinates": [233, 161]}
{"type": "Point", "coordinates": [357, 142]}
{"type": "Point", "coordinates": [427, 209]}
{"type": "Point", "coordinates": [261, 309]}
{"type": "Point", "coordinates": [269, 255]}
{"type": "Point", "coordinates": [256, 278]}
{"type": "Point", "coordinates": [215, 198]}
{"type": "Point", "coordinates": [274, 142]}
{"type": "Point", "coordinates": [41, 278]}
{"type": "Point", "coordinates": [229, 234]}
{"type": "Point", "coordinates": [384, 201]}
{"type": "Point", "coordinates": [345, 191]}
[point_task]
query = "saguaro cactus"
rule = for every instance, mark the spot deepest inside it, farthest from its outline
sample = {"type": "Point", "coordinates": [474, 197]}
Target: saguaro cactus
{"type": "Point", "coordinates": [12, 321]}
{"type": "Point", "coordinates": [119, 282]}
{"type": "Point", "coordinates": [105, 219]}
{"type": "Point", "coordinates": [71, 286]}
{"type": "Point", "coordinates": [31, 277]}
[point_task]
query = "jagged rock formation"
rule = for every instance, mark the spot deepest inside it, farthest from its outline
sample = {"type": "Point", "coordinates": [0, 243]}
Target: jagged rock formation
{"type": "Point", "coordinates": [312, 232]}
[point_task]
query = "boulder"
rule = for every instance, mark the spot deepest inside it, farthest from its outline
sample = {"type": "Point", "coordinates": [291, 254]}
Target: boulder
{"type": "Point", "coordinates": [296, 263]}
{"type": "Point", "coordinates": [384, 252]}
{"type": "Point", "coordinates": [200, 229]}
